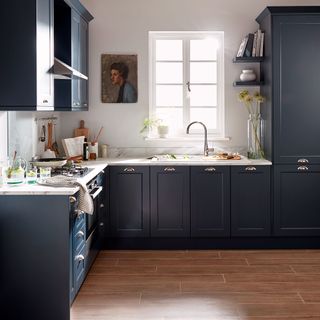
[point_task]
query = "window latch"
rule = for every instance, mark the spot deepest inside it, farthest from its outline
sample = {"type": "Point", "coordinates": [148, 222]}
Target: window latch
{"type": "Point", "coordinates": [188, 86]}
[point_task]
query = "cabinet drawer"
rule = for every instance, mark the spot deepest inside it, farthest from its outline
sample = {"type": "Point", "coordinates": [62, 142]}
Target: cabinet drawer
{"type": "Point", "coordinates": [79, 238]}
{"type": "Point", "coordinates": [79, 220]}
{"type": "Point", "coordinates": [79, 268]}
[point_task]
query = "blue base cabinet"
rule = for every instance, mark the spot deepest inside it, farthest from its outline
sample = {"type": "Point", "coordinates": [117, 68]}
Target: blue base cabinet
{"type": "Point", "coordinates": [250, 201]}
{"type": "Point", "coordinates": [170, 209]}
{"type": "Point", "coordinates": [296, 200]}
{"type": "Point", "coordinates": [210, 201]}
{"type": "Point", "coordinates": [129, 201]}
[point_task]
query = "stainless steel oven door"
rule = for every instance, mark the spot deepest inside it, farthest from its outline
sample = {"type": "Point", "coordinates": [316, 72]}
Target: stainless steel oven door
{"type": "Point", "coordinates": [92, 219]}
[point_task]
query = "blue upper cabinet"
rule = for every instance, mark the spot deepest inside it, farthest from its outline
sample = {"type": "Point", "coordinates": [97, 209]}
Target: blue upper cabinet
{"type": "Point", "coordinates": [291, 72]}
{"type": "Point", "coordinates": [26, 58]}
{"type": "Point", "coordinates": [37, 67]}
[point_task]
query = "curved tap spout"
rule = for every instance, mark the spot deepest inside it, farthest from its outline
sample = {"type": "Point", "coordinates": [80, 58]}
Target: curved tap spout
{"type": "Point", "coordinates": [205, 148]}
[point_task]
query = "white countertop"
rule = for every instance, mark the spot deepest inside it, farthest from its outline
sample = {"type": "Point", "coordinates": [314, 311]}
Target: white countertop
{"type": "Point", "coordinates": [37, 189]}
{"type": "Point", "coordinates": [99, 164]}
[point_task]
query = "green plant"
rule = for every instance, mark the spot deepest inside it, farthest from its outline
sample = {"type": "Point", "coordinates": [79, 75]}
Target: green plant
{"type": "Point", "coordinates": [150, 123]}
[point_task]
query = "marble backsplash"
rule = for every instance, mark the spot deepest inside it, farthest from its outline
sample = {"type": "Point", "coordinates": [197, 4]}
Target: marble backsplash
{"type": "Point", "coordinates": [150, 151]}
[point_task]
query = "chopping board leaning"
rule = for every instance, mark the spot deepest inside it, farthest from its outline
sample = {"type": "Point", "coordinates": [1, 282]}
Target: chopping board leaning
{"type": "Point", "coordinates": [81, 131]}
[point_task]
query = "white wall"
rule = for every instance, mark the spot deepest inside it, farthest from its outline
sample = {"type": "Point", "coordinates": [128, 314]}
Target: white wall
{"type": "Point", "coordinates": [121, 26]}
{"type": "Point", "coordinates": [3, 135]}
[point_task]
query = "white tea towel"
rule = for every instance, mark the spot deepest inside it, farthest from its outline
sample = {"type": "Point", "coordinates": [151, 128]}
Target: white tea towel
{"type": "Point", "coordinates": [85, 201]}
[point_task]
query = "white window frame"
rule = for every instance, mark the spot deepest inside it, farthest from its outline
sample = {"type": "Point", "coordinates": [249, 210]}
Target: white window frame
{"type": "Point", "coordinates": [219, 132]}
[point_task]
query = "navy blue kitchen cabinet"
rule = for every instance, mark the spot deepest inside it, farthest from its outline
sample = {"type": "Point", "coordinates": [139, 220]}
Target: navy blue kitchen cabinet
{"type": "Point", "coordinates": [291, 71]}
{"type": "Point", "coordinates": [250, 201]}
{"type": "Point", "coordinates": [38, 69]}
{"type": "Point", "coordinates": [129, 201]}
{"type": "Point", "coordinates": [35, 257]}
{"type": "Point", "coordinates": [210, 201]}
{"type": "Point", "coordinates": [296, 200]}
{"type": "Point", "coordinates": [170, 205]}
{"type": "Point", "coordinates": [26, 32]}
{"type": "Point", "coordinates": [71, 36]}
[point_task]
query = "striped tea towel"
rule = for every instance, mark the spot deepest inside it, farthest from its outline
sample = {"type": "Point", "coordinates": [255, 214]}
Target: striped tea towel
{"type": "Point", "coordinates": [85, 201]}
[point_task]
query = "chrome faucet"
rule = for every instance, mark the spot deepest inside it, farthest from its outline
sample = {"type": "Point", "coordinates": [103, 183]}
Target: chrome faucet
{"type": "Point", "coordinates": [205, 148]}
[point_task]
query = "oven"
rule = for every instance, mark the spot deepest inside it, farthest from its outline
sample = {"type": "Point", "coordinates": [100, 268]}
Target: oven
{"type": "Point", "coordinates": [95, 188]}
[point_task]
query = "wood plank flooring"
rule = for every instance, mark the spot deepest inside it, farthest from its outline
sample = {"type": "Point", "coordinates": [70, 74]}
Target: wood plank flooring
{"type": "Point", "coordinates": [209, 284]}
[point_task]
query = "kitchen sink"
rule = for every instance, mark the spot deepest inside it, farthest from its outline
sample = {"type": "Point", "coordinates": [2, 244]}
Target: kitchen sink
{"type": "Point", "coordinates": [196, 157]}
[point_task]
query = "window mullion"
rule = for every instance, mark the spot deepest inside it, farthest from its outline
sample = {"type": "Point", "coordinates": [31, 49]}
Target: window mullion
{"type": "Point", "coordinates": [186, 78]}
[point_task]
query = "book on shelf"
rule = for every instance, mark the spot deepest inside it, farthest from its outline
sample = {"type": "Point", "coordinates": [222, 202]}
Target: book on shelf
{"type": "Point", "coordinates": [258, 43]}
{"type": "Point", "coordinates": [261, 45]}
{"type": "Point", "coordinates": [242, 47]}
{"type": "Point", "coordinates": [254, 46]}
{"type": "Point", "coordinates": [248, 49]}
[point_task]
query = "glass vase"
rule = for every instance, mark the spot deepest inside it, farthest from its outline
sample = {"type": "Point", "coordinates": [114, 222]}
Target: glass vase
{"type": "Point", "coordinates": [255, 136]}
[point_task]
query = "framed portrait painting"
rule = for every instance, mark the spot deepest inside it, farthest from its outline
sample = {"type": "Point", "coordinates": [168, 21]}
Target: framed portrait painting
{"type": "Point", "coordinates": [119, 78]}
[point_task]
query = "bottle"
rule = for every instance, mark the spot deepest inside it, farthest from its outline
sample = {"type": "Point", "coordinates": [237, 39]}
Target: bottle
{"type": "Point", "coordinates": [104, 152]}
{"type": "Point", "coordinates": [85, 152]}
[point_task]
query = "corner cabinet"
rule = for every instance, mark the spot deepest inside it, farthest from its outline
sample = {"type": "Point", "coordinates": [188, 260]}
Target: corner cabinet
{"type": "Point", "coordinates": [34, 75]}
{"type": "Point", "coordinates": [71, 37]}
{"type": "Point", "coordinates": [170, 209]}
{"type": "Point", "coordinates": [210, 201]}
{"type": "Point", "coordinates": [250, 201]}
{"type": "Point", "coordinates": [129, 201]}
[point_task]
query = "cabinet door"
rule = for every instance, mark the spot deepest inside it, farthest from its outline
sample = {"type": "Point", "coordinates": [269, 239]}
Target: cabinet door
{"type": "Point", "coordinates": [129, 201]}
{"type": "Point", "coordinates": [250, 201]}
{"type": "Point", "coordinates": [26, 58]}
{"type": "Point", "coordinates": [210, 197]}
{"type": "Point", "coordinates": [79, 42]}
{"type": "Point", "coordinates": [296, 200]}
{"type": "Point", "coordinates": [45, 54]}
{"type": "Point", "coordinates": [170, 210]}
{"type": "Point", "coordinates": [296, 88]}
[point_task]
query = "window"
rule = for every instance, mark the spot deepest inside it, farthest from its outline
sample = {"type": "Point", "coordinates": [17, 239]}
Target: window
{"type": "Point", "coordinates": [187, 80]}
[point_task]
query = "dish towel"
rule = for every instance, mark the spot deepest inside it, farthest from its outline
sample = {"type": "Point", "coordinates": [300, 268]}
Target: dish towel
{"type": "Point", "coordinates": [85, 201]}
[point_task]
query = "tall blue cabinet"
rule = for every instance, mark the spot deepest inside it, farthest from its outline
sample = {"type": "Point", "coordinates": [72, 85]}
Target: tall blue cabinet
{"type": "Point", "coordinates": [291, 71]}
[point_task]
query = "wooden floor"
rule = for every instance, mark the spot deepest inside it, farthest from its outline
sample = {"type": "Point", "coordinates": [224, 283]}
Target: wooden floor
{"type": "Point", "coordinates": [214, 284]}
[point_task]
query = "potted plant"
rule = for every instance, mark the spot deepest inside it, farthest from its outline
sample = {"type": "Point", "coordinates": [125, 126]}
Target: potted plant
{"type": "Point", "coordinates": [150, 124]}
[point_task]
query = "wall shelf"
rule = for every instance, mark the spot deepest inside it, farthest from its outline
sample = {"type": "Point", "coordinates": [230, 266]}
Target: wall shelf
{"type": "Point", "coordinates": [247, 59]}
{"type": "Point", "coordinates": [247, 83]}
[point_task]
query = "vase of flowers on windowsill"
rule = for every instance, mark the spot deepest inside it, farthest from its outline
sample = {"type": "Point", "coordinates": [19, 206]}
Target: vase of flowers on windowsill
{"type": "Point", "coordinates": [255, 123]}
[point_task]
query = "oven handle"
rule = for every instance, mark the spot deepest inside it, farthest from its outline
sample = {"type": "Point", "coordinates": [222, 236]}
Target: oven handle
{"type": "Point", "coordinates": [94, 195]}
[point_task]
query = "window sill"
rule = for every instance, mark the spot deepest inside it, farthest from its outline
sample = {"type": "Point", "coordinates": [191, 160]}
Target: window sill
{"type": "Point", "coordinates": [187, 138]}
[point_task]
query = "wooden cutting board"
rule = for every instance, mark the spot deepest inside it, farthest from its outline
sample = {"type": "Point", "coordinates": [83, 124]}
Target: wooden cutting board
{"type": "Point", "coordinates": [81, 131]}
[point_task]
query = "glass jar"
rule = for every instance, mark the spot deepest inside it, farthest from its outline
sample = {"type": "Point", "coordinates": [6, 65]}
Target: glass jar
{"type": "Point", "coordinates": [255, 136]}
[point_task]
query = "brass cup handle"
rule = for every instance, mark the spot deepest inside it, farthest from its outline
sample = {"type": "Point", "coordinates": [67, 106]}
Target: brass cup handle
{"type": "Point", "coordinates": [303, 161]}
{"type": "Point", "coordinates": [210, 169]}
{"type": "Point", "coordinates": [303, 168]}
{"type": "Point", "coordinates": [251, 169]}
{"type": "Point", "coordinates": [169, 169]}
{"type": "Point", "coordinates": [128, 169]}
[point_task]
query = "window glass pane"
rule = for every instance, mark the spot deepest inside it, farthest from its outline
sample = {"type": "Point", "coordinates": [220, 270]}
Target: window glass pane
{"type": "Point", "coordinates": [171, 116]}
{"type": "Point", "coordinates": [169, 50]}
{"type": "Point", "coordinates": [204, 49]}
{"type": "Point", "coordinates": [203, 72]}
{"type": "Point", "coordinates": [206, 115]}
{"type": "Point", "coordinates": [203, 95]}
{"type": "Point", "coordinates": [169, 95]}
{"type": "Point", "coordinates": [169, 72]}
